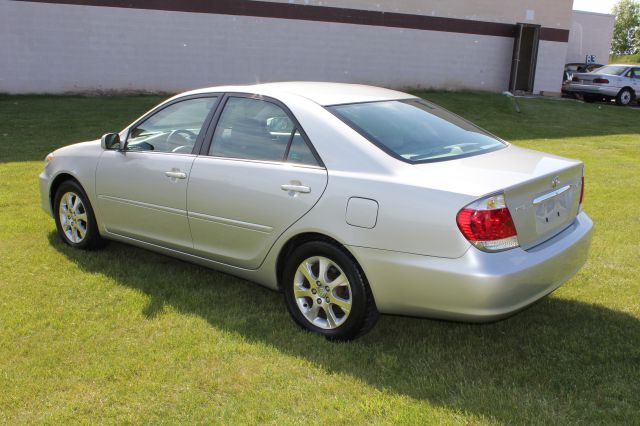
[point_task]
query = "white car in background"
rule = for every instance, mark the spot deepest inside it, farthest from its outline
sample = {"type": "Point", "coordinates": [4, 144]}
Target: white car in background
{"type": "Point", "coordinates": [619, 82]}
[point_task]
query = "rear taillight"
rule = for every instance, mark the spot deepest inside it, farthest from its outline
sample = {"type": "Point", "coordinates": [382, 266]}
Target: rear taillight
{"type": "Point", "coordinates": [575, 79]}
{"type": "Point", "coordinates": [582, 189]}
{"type": "Point", "coordinates": [488, 225]}
{"type": "Point", "coordinates": [601, 81]}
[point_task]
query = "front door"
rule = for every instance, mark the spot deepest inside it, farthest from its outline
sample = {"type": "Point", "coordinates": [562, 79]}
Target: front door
{"type": "Point", "coordinates": [142, 189]}
{"type": "Point", "coordinates": [259, 176]}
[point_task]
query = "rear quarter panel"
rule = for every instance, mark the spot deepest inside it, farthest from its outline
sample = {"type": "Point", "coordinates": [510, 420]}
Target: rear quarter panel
{"type": "Point", "coordinates": [411, 219]}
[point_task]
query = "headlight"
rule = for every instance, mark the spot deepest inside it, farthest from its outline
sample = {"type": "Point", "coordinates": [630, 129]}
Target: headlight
{"type": "Point", "coordinates": [48, 159]}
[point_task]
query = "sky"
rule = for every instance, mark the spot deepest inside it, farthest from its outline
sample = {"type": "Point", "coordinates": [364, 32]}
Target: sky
{"type": "Point", "coordinates": [600, 6]}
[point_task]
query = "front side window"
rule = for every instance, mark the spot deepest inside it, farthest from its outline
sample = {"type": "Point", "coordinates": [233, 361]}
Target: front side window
{"type": "Point", "coordinates": [416, 131]}
{"type": "Point", "coordinates": [172, 129]}
{"type": "Point", "coordinates": [254, 129]}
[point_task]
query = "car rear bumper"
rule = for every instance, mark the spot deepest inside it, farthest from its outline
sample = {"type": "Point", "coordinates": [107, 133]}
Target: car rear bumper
{"type": "Point", "coordinates": [590, 89]}
{"type": "Point", "coordinates": [478, 286]}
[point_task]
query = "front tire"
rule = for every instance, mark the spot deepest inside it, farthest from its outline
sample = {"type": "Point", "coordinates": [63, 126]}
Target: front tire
{"type": "Point", "coordinates": [624, 97]}
{"type": "Point", "coordinates": [75, 220]}
{"type": "Point", "coordinates": [326, 293]}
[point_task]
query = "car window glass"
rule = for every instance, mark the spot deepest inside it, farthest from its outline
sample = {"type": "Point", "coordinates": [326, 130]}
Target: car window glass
{"type": "Point", "coordinates": [252, 129]}
{"type": "Point", "coordinates": [299, 151]}
{"type": "Point", "coordinates": [415, 130]}
{"type": "Point", "coordinates": [612, 69]}
{"type": "Point", "coordinates": [172, 129]}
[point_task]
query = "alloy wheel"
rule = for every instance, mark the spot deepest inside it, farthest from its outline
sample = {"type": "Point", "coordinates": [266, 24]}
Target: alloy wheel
{"type": "Point", "coordinates": [73, 217]}
{"type": "Point", "coordinates": [322, 292]}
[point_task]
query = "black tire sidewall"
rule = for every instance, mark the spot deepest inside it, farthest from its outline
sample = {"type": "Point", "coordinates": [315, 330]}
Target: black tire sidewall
{"type": "Point", "coordinates": [619, 97]}
{"type": "Point", "coordinates": [92, 236]}
{"type": "Point", "coordinates": [359, 294]}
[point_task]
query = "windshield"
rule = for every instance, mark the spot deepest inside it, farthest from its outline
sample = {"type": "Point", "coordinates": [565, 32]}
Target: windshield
{"type": "Point", "coordinates": [611, 70]}
{"type": "Point", "coordinates": [416, 131]}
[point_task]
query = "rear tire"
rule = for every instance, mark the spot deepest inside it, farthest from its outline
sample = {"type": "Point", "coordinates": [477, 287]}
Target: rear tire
{"type": "Point", "coordinates": [75, 220]}
{"type": "Point", "coordinates": [326, 293]}
{"type": "Point", "coordinates": [624, 97]}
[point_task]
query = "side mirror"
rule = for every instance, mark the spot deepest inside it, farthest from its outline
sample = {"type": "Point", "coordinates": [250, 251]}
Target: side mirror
{"type": "Point", "coordinates": [110, 141]}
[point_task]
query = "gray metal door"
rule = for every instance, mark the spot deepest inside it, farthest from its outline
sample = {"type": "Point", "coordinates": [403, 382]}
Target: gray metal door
{"type": "Point", "coordinates": [143, 195]}
{"type": "Point", "coordinates": [525, 57]}
{"type": "Point", "coordinates": [258, 177]}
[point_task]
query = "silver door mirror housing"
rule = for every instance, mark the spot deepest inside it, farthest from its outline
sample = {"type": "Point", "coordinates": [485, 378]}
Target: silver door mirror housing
{"type": "Point", "coordinates": [110, 141]}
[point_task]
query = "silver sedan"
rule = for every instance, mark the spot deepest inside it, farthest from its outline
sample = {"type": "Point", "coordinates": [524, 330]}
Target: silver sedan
{"type": "Point", "coordinates": [351, 200]}
{"type": "Point", "coordinates": [619, 82]}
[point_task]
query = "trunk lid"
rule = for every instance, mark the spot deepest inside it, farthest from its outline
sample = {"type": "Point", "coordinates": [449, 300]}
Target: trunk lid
{"type": "Point", "coordinates": [542, 191]}
{"type": "Point", "coordinates": [544, 205]}
{"type": "Point", "coordinates": [588, 77]}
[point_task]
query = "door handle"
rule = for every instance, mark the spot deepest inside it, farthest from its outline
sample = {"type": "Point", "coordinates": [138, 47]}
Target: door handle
{"type": "Point", "coordinates": [176, 175]}
{"type": "Point", "coordinates": [296, 188]}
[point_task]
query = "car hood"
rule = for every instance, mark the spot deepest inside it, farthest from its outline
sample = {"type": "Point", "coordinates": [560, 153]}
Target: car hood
{"type": "Point", "coordinates": [78, 147]}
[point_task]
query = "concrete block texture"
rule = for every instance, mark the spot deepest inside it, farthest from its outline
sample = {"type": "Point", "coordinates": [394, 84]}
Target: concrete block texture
{"type": "Point", "coordinates": [56, 48]}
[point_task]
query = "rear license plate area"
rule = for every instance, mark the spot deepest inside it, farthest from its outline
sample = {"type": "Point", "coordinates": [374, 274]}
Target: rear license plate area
{"type": "Point", "coordinates": [553, 212]}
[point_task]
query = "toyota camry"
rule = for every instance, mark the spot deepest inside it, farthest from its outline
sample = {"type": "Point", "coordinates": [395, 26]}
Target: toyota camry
{"type": "Point", "coordinates": [351, 200]}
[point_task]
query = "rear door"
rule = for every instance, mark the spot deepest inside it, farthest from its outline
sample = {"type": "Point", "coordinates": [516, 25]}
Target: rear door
{"type": "Point", "coordinates": [257, 176]}
{"type": "Point", "coordinates": [142, 189]}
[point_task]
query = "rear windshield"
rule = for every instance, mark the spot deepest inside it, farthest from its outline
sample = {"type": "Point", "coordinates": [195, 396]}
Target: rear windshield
{"type": "Point", "coordinates": [611, 70]}
{"type": "Point", "coordinates": [416, 131]}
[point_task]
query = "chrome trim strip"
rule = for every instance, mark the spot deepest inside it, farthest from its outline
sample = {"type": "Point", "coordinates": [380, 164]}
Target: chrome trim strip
{"type": "Point", "coordinates": [144, 205]}
{"type": "Point", "coordinates": [230, 222]}
{"type": "Point", "coordinates": [270, 162]}
{"type": "Point", "coordinates": [541, 199]}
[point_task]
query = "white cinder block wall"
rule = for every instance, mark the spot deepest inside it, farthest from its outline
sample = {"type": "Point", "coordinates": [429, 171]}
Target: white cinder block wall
{"type": "Point", "coordinates": [58, 48]}
{"type": "Point", "coordinates": [591, 34]}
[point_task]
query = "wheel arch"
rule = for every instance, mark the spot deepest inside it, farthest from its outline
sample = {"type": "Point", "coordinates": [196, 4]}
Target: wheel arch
{"type": "Point", "coordinates": [55, 184]}
{"type": "Point", "coordinates": [299, 239]}
{"type": "Point", "coordinates": [633, 92]}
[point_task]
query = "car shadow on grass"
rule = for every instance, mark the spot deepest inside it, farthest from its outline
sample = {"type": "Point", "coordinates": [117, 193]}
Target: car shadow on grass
{"type": "Point", "coordinates": [555, 360]}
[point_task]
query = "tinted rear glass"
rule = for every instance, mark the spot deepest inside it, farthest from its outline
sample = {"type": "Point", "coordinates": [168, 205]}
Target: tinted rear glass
{"type": "Point", "coordinates": [416, 131]}
{"type": "Point", "coordinates": [611, 70]}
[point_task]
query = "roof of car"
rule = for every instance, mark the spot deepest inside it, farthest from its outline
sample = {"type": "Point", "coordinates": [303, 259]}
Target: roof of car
{"type": "Point", "coordinates": [323, 93]}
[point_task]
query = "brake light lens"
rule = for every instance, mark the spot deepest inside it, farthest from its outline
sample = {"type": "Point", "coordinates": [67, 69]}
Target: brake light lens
{"type": "Point", "coordinates": [601, 81]}
{"type": "Point", "coordinates": [582, 189]}
{"type": "Point", "coordinates": [488, 225]}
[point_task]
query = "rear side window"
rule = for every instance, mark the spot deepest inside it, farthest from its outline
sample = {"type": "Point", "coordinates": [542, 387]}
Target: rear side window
{"type": "Point", "coordinates": [416, 131]}
{"type": "Point", "coordinates": [299, 151]}
{"type": "Point", "coordinates": [612, 69]}
{"type": "Point", "coordinates": [254, 129]}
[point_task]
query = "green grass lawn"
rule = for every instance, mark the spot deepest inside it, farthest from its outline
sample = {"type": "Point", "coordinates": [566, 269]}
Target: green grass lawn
{"type": "Point", "coordinates": [625, 59]}
{"type": "Point", "coordinates": [127, 336]}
